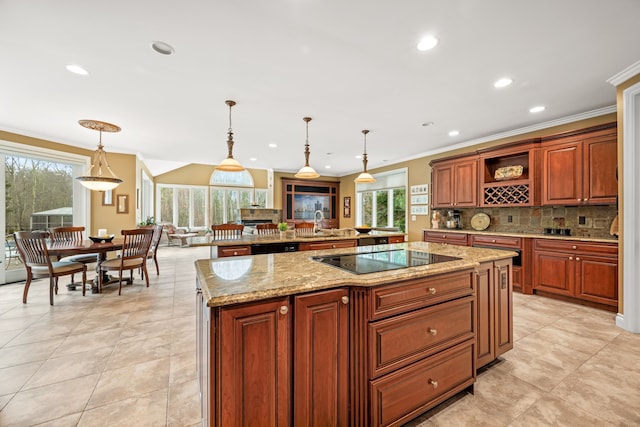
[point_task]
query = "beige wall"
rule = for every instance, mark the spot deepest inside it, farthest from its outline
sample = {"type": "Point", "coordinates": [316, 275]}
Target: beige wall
{"type": "Point", "coordinates": [198, 174]}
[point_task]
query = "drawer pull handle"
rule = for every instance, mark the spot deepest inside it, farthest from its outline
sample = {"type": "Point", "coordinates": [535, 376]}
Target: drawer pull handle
{"type": "Point", "coordinates": [585, 200]}
{"type": "Point", "coordinates": [570, 258]}
{"type": "Point", "coordinates": [434, 383]}
{"type": "Point", "coordinates": [494, 240]}
{"type": "Point", "coordinates": [333, 246]}
{"type": "Point", "coordinates": [432, 331]}
{"type": "Point", "coordinates": [345, 300]}
{"type": "Point", "coordinates": [235, 253]}
{"type": "Point", "coordinates": [574, 247]}
{"type": "Point", "coordinates": [432, 291]}
{"type": "Point", "coordinates": [577, 258]}
{"type": "Point", "coordinates": [284, 309]}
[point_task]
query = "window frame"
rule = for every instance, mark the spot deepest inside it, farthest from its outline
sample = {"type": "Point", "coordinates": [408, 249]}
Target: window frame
{"type": "Point", "coordinates": [361, 189]}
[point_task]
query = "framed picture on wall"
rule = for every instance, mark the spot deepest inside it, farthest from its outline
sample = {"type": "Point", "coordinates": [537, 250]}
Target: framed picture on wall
{"type": "Point", "coordinates": [347, 207]}
{"type": "Point", "coordinates": [107, 198]}
{"type": "Point", "coordinates": [122, 203]}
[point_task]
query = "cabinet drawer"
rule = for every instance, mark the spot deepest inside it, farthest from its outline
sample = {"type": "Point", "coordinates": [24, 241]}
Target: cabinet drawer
{"type": "Point", "coordinates": [225, 251]}
{"type": "Point", "coordinates": [502, 241]}
{"type": "Point", "coordinates": [444, 237]}
{"type": "Point", "coordinates": [396, 239]}
{"type": "Point", "coordinates": [401, 340]}
{"type": "Point", "coordinates": [418, 293]}
{"type": "Point", "coordinates": [400, 396]}
{"type": "Point", "coordinates": [334, 244]}
{"type": "Point", "coordinates": [610, 249]}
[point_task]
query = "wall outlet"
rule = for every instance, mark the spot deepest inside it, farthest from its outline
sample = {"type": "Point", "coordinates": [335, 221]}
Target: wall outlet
{"type": "Point", "coordinates": [582, 220]}
{"type": "Point", "coordinates": [509, 218]}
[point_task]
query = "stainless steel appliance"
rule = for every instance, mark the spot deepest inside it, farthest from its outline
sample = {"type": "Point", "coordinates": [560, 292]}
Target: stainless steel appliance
{"type": "Point", "coordinates": [454, 219]}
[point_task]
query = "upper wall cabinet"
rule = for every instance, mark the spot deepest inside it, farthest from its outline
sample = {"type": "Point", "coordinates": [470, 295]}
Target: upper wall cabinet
{"type": "Point", "coordinates": [301, 200]}
{"type": "Point", "coordinates": [510, 176]}
{"type": "Point", "coordinates": [580, 168]}
{"type": "Point", "coordinates": [455, 183]}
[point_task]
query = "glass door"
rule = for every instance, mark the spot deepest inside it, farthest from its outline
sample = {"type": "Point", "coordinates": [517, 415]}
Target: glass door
{"type": "Point", "coordinates": [40, 192]}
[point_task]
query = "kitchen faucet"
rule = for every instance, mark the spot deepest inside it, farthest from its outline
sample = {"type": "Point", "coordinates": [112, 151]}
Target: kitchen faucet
{"type": "Point", "coordinates": [316, 228]}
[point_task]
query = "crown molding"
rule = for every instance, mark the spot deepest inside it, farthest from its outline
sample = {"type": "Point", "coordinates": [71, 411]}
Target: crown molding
{"type": "Point", "coordinates": [624, 75]}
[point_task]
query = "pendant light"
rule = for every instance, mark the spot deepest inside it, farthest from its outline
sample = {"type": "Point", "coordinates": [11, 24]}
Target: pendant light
{"type": "Point", "coordinates": [230, 164]}
{"type": "Point", "coordinates": [365, 176]}
{"type": "Point", "coordinates": [94, 179]}
{"type": "Point", "coordinates": [307, 172]}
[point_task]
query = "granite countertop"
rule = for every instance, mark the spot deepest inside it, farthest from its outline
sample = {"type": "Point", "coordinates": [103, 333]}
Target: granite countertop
{"type": "Point", "coordinates": [253, 239]}
{"type": "Point", "coordinates": [233, 280]}
{"type": "Point", "coordinates": [530, 235]}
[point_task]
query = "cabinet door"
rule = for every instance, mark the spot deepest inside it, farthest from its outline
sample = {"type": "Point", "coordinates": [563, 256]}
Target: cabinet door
{"type": "Point", "coordinates": [485, 307]}
{"type": "Point", "coordinates": [332, 244]}
{"type": "Point", "coordinates": [321, 359]}
{"type": "Point", "coordinates": [442, 180]}
{"type": "Point", "coordinates": [466, 184]}
{"type": "Point", "coordinates": [504, 306]}
{"type": "Point", "coordinates": [554, 272]}
{"type": "Point", "coordinates": [597, 279]}
{"type": "Point", "coordinates": [600, 160]}
{"type": "Point", "coordinates": [562, 174]}
{"type": "Point", "coordinates": [255, 364]}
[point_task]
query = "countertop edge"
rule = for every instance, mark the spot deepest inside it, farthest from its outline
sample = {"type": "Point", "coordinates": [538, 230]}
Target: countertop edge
{"type": "Point", "coordinates": [523, 235]}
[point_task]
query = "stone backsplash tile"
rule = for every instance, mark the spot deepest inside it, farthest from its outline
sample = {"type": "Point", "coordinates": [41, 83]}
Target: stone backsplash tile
{"type": "Point", "coordinates": [583, 221]}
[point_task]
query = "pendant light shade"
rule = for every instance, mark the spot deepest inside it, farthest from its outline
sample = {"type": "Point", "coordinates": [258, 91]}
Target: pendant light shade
{"type": "Point", "coordinates": [230, 164]}
{"type": "Point", "coordinates": [307, 172]}
{"type": "Point", "coordinates": [365, 176]}
{"type": "Point", "coordinates": [99, 177]}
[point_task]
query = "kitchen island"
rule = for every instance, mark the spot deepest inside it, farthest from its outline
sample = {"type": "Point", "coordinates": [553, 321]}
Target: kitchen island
{"type": "Point", "coordinates": [287, 339]}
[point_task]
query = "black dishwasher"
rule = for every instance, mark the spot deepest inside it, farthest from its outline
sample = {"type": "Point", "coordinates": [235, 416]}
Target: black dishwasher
{"type": "Point", "coordinates": [272, 248]}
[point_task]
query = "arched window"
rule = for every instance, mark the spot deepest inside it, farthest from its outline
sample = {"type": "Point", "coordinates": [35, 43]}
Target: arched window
{"type": "Point", "coordinates": [231, 191]}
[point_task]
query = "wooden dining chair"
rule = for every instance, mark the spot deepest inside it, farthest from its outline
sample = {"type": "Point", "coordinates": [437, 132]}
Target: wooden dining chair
{"type": "Point", "coordinates": [268, 228]}
{"type": "Point", "coordinates": [304, 228]}
{"type": "Point", "coordinates": [32, 247]}
{"type": "Point", "coordinates": [153, 249]}
{"type": "Point", "coordinates": [72, 234]}
{"type": "Point", "coordinates": [135, 249]}
{"type": "Point", "coordinates": [227, 231]}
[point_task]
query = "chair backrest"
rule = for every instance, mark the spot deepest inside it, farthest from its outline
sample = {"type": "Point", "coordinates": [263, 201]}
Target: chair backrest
{"type": "Point", "coordinates": [67, 234]}
{"type": "Point", "coordinates": [227, 231]}
{"type": "Point", "coordinates": [268, 228]}
{"type": "Point", "coordinates": [32, 247]}
{"type": "Point", "coordinates": [304, 227]}
{"type": "Point", "coordinates": [136, 243]}
{"type": "Point", "coordinates": [157, 234]}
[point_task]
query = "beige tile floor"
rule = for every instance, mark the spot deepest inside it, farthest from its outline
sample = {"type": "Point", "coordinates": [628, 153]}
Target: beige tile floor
{"type": "Point", "coordinates": [129, 360]}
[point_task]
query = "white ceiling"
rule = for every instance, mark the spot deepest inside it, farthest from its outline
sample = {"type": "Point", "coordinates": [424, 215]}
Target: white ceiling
{"type": "Point", "coordinates": [349, 64]}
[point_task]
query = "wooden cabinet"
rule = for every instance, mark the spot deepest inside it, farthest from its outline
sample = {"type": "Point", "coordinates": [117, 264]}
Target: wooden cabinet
{"type": "Point", "coordinates": [520, 268]}
{"type": "Point", "coordinates": [301, 199]}
{"type": "Point", "coordinates": [437, 236]}
{"type": "Point", "coordinates": [327, 244]}
{"type": "Point", "coordinates": [321, 364]}
{"type": "Point", "coordinates": [584, 270]}
{"type": "Point", "coordinates": [413, 346]}
{"type": "Point", "coordinates": [521, 190]}
{"type": "Point", "coordinates": [494, 297]}
{"type": "Point", "coordinates": [225, 251]}
{"type": "Point", "coordinates": [251, 373]}
{"type": "Point", "coordinates": [455, 183]}
{"type": "Point", "coordinates": [580, 168]}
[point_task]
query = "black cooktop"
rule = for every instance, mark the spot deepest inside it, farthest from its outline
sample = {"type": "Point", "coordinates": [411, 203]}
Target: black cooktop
{"type": "Point", "coordinates": [372, 262]}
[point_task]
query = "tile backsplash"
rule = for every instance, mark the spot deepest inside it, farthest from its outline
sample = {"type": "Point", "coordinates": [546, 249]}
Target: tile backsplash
{"type": "Point", "coordinates": [583, 221]}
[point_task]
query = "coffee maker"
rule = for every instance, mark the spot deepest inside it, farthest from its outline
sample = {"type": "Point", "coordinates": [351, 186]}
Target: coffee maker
{"type": "Point", "coordinates": [454, 220]}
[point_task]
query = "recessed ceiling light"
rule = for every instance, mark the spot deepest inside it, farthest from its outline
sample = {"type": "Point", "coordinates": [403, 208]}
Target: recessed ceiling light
{"type": "Point", "coordinates": [359, 156]}
{"type": "Point", "coordinates": [273, 145]}
{"type": "Point", "coordinates": [454, 133]}
{"type": "Point", "coordinates": [253, 159]}
{"type": "Point", "coordinates": [505, 81]}
{"type": "Point", "coordinates": [162, 48]}
{"type": "Point", "coordinates": [327, 166]}
{"type": "Point", "coordinates": [537, 109]}
{"type": "Point", "coordinates": [428, 124]}
{"type": "Point", "coordinates": [427, 43]}
{"type": "Point", "coordinates": [76, 69]}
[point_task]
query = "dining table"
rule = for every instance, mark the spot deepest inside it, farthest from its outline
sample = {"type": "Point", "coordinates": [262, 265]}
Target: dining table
{"type": "Point", "coordinates": [68, 248]}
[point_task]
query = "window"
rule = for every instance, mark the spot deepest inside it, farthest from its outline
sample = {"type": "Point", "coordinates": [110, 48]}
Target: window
{"type": "Point", "coordinates": [231, 191]}
{"type": "Point", "coordinates": [146, 197]}
{"type": "Point", "coordinates": [184, 206]}
{"type": "Point", "coordinates": [383, 203]}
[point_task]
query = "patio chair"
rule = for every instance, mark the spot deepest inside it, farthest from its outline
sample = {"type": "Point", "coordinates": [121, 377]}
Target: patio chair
{"type": "Point", "coordinates": [135, 249]}
{"type": "Point", "coordinates": [33, 251]}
